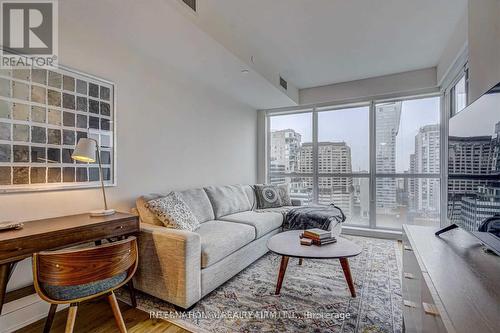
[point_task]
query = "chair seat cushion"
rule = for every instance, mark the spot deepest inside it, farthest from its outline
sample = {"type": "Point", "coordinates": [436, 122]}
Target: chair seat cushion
{"type": "Point", "coordinates": [67, 293]}
{"type": "Point", "coordinates": [219, 239]}
{"type": "Point", "coordinates": [263, 222]}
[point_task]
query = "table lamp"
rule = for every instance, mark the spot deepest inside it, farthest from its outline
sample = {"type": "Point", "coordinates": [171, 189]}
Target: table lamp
{"type": "Point", "coordinates": [85, 151]}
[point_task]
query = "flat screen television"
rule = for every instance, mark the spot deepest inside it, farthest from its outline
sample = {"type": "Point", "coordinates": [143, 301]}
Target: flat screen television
{"type": "Point", "coordinates": [474, 167]}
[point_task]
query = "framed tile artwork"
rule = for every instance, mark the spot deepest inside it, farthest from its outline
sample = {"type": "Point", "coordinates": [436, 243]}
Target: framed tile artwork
{"type": "Point", "coordinates": [43, 113]}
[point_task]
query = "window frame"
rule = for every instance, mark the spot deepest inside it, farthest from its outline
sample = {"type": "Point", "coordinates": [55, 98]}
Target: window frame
{"type": "Point", "coordinates": [372, 175]}
{"type": "Point", "coordinates": [450, 91]}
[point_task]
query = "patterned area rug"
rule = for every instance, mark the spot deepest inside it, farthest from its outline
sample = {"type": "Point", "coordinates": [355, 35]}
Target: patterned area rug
{"type": "Point", "coordinates": [314, 296]}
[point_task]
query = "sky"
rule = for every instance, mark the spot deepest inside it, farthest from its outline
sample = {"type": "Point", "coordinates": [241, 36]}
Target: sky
{"type": "Point", "coordinates": [352, 126]}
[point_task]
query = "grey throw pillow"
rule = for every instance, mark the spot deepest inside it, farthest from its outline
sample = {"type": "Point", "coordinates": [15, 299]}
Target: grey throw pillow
{"type": "Point", "coordinates": [268, 196]}
{"type": "Point", "coordinates": [284, 191]}
{"type": "Point", "coordinates": [174, 212]}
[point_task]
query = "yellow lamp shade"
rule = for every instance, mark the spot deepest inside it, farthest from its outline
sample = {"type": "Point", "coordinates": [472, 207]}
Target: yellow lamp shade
{"type": "Point", "coordinates": [85, 150]}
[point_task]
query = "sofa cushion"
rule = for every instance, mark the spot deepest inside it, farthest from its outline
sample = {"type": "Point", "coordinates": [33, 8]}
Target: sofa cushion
{"type": "Point", "coordinates": [146, 215]}
{"type": "Point", "coordinates": [173, 212]}
{"type": "Point", "coordinates": [263, 223]}
{"type": "Point", "coordinates": [250, 192]}
{"type": "Point", "coordinates": [268, 196]}
{"type": "Point", "coordinates": [199, 203]}
{"type": "Point", "coordinates": [284, 191]}
{"type": "Point", "coordinates": [220, 238]}
{"type": "Point", "coordinates": [228, 199]}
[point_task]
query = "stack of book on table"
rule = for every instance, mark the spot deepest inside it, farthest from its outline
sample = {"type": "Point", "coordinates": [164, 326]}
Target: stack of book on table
{"type": "Point", "coordinates": [317, 237]}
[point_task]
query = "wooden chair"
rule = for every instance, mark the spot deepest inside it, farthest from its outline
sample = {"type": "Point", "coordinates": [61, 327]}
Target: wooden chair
{"type": "Point", "coordinates": [75, 275]}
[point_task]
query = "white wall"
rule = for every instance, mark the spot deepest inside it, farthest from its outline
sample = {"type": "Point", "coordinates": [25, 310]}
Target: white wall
{"type": "Point", "coordinates": [456, 45]}
{"type": "Point", "coordinates": [484, 46]}
{"type": "Point", "coordinates": [423, 80]}
{"type": "Point", "coordinates": [172, 131]}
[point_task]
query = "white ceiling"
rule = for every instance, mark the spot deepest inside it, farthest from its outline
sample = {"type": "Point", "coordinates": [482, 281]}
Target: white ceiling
{"type": "Point", "coordinates": [318, 42]}
{"type": "Point", "coordinates": [158, 34]}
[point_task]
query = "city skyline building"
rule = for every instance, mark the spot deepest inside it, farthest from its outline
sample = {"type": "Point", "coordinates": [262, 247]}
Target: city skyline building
{"type": "Point", "coordinates": [468, 156]}
{"type": "Point", "coordinates": [426, 159]}
{"type": "Point", "coordinates": [388, 118]}
{"type": "Point", "coordinates": [285, 145]}
{"type": "Point", "coordinates": [474, 200]}
{"type": "Point", "coordinates": [333, 158]}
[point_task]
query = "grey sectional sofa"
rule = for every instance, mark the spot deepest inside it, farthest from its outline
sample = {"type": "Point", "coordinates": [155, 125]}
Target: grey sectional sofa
{"type": "Point", "coordinates": [181, 266]}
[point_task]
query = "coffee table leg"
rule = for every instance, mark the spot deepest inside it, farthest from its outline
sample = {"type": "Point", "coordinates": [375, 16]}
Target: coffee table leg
{"type": "Point", "coordinates": [347, 273]}
{"type": "Point", "coordinates": [300, 261]}
{"type": "Point", "coordinates": [281, 275]}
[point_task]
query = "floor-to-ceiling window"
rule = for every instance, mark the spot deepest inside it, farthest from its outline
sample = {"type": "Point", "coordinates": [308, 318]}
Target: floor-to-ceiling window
{"type": "Point", "coordinates": [344, 161]}
{"type": "Point", "coordinates": [291, 136]}
{"type": "Point", "coordinates": [378, 161]}
{"type": "Point", "coordinates": [407, 157]}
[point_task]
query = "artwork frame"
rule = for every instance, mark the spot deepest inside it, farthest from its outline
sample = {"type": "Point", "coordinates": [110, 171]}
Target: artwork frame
{"type": "Point", "coordinates": [40, 159]}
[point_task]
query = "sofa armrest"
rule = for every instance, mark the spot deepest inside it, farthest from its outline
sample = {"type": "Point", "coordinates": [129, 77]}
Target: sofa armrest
{"type": "Point", "coordinates": [296, 202]}
{"type": "Point", "coordinates": [169, 264]}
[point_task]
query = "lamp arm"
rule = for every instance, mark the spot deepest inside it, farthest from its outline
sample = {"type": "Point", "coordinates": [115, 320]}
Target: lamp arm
{"type": "Point", "coordinates": [100, 174]}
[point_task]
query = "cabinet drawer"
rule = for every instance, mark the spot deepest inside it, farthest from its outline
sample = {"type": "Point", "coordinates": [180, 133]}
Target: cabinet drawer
{"type": "Point", "coordinates": [412, 317]}
{"type": "Point", "coordinates": [431, 318]}
{"type": "Point", "coordinates": [411, 269]}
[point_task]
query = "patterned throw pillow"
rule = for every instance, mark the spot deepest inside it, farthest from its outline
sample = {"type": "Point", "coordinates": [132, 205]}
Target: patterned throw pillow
{"type": "Point", "coordinates": [284, 191]}
{"type": "Point", "coordinates": [173, 212]}
{"type": "Point", "coordinates": [268, 196]}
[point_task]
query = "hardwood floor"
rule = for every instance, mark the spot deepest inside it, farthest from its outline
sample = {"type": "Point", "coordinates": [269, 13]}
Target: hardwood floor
{"type": "Point", "coordinates": [97, 316]}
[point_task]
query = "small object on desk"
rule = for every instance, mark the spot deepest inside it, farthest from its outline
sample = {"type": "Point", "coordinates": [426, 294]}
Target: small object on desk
{"type": "Point", "coordinates": [9, 225]}
{"type": "Point", "coordinates": [306, 241]}
{"type": "Point", "coordinates": [85, 151]}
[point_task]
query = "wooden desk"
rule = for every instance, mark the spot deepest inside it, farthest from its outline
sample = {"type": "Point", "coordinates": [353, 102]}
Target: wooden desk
{"type": "Point", "coordinates": [56, 233]}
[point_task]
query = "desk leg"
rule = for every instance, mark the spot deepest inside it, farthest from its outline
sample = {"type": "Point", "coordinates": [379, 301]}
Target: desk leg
{"type": "Point", "coordinates": [5, 273]}
{"type": "Point", "coordinates": [347, 273]}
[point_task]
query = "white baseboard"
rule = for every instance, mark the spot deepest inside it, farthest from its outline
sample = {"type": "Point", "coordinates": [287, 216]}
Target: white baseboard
{"type": "Point", "coordinates": [23, 312]}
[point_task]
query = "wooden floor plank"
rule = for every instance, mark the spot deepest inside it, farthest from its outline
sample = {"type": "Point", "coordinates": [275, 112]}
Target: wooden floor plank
{"type": "Point", "coordinates": [96, 317]}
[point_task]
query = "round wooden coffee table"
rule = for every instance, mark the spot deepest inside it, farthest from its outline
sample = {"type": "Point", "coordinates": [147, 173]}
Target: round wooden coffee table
{"type": "Point", "coordinates": [287, 244]}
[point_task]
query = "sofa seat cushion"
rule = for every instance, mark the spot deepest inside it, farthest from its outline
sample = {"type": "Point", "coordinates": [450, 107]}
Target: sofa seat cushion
{"type": "Point", "coordinates": [263, 222]}
{"type": "Point", "coordinates": [221, 238]}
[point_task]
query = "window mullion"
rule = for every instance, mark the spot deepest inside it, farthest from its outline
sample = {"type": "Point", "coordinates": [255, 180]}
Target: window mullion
{"type": "Point", "coordinates": [315, 157]}
{"type": "Point", "coordinates": [373, 180]}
